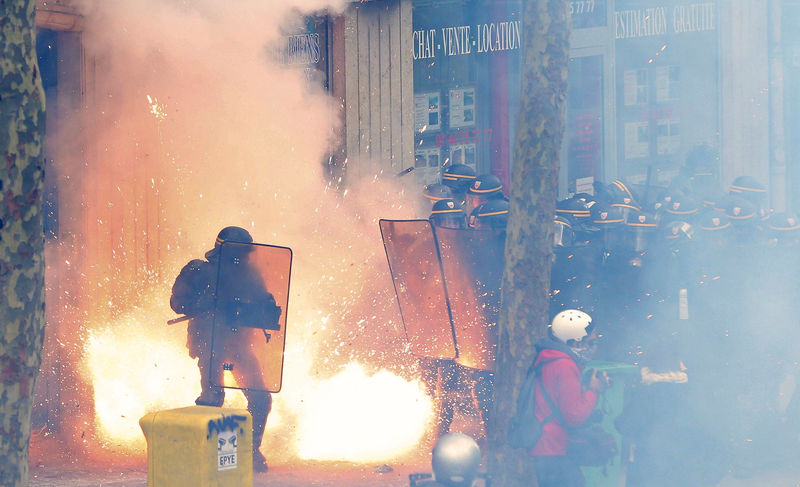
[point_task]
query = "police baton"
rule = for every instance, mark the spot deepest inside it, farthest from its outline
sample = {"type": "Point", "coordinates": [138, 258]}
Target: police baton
{"type": "Point", "coordinates": [179, 319]}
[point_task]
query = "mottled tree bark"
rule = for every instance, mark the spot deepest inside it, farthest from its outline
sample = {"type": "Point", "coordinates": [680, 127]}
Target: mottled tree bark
{"type": "Point", "coordinates": [529, 242]}
{"type": "Point", "coordinates": [21, 234]}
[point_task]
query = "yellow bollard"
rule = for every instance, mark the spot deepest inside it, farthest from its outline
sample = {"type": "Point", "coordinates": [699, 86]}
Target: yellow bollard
{"type": "Point", "coordinates": [199, 446]}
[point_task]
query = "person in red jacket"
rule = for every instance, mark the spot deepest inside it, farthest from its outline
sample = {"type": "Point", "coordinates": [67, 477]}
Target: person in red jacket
{"type": "Point", "coordinates": [562, 358]}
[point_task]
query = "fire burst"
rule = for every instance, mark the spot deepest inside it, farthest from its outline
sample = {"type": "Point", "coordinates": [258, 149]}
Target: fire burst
{"type": "Point", "coordinates": [139, 365]}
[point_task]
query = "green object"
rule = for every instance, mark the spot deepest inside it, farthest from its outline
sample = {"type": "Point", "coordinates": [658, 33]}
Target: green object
{"type": "Point", "coordinates": [611, 403]}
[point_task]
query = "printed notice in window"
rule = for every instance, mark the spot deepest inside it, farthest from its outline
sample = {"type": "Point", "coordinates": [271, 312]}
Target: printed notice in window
{"type": "Point", "coordinates": [426, 112]}
{"type": "Point", "coordinates": [635, 84]}
{"type": "Point", "coordinates": [462, 108]}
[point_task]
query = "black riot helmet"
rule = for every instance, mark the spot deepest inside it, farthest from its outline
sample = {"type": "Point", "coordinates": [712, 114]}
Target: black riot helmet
{"type": "Point", "coordinates": [784, 229]}
{"type": "Point", "coordinates": [229, 234]}
{"type": "Point", "coordinates": [492, 214]}
{"type": "Point", "coordinates": [573, 209]}
{"type": "Point", "coordinates": [740, 211]}
{"type": "Point", "coordinates": [437, 191]}
{"type": "Point", "coordinates": [620, 192]}
{"type": "Point", "coordinates": [679, 208]}
{"type": "Point", "coordinates": [713, 229]}
{"type": "Point", "coordinates": [458, 177]}
{"type": "Point", "coordinates": [750, 189]}
{"type": "Point", "coordinates": [482, 189]}
{"type": "Point", "coordinates": [447, 213]}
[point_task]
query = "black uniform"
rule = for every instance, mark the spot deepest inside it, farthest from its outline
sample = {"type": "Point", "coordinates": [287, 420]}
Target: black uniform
{"type": "Point", "coordinates": [193, 294]}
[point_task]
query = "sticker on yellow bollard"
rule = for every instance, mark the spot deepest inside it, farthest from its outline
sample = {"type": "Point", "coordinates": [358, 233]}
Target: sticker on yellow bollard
{"type": "Point", "coordinates": [226, 450]}
{"type": "Point", "coordinates": [199, 446]}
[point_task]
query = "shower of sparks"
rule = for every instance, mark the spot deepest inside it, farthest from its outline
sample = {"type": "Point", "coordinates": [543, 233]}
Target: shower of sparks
{"type": "Point", "coordinates": [157, 109]}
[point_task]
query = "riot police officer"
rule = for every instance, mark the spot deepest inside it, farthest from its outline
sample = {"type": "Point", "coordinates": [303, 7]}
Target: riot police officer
{"type": "Point", "coordinates": [458, 177]}
{"type": "Point", "coordinates": [194, 295]}
{"type": "Point", "coordinates": [484, 188]}
{"type": "Point", "coordinates": [447, 213]}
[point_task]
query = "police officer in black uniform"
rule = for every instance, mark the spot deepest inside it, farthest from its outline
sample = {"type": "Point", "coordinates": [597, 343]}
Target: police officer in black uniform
{"type": "Point", "coordinates": [193, 294]}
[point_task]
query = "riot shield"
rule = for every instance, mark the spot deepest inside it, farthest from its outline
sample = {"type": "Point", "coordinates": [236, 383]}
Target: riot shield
{"type": "Point", "coordinates": [472, 262]}
{"type": "Point", "coordinates": [418, 284]}
{"type": "Point", "coordinates": [249, 330]}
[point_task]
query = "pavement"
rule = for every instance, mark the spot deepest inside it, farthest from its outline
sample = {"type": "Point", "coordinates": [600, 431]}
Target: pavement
{"type": "Point", "coordinates": [53, 466]}
{"type": "Point", "coordinates": [279, 476]}
{"type": "Point", "coordinates": [326, 475]}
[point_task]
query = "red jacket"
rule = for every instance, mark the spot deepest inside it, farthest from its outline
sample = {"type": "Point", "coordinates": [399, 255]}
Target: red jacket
{"type": "Point", "coordinates": [561, 376]}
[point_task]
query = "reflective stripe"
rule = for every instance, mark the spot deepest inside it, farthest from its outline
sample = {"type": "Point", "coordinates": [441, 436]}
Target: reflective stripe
{"type": "Point", "coordinates": [473, 190]}
{"type": "Point", "coordinates": [456, 176]}
{"type": "Point", "coordinates": [740, 189]}
{"type": "Point", "coordinates": [784, 229]}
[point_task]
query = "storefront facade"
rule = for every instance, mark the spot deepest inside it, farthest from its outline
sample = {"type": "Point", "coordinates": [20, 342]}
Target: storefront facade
{"type": "Point", "coordinates": [643, 87]}
{"type": "Point", "coordinates": [649, 81]}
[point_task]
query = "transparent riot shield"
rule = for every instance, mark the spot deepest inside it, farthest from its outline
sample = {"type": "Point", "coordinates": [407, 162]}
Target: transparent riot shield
{"type": "Point", "coordinates": [418, 284]}
{"type": "Point", "coordinates": [472, 262]}
{"type": "Point", "coordinates": [249, 331]}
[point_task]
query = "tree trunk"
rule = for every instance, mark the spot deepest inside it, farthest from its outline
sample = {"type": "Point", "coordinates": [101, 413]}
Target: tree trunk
{"type": "Point", "coordinates": [21, 234]}
{"type": "Point", "coordinates": [529, 242]}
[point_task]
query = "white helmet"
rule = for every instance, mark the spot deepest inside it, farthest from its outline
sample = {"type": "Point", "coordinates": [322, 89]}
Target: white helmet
{"type": "Point", "coordinates": [571, 324]}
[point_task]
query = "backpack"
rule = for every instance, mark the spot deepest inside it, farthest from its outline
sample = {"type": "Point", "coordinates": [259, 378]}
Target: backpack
{"type": "Point", "coordinates": [524, 429]}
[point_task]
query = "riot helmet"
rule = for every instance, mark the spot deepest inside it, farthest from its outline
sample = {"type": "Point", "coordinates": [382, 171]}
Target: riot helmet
{"type": "Point", "coordinates": [229, 234]}
{"type": "Point", "coordinates": [573, 209]}
{"type": "Point", "coordinates": [740, 210]}
{"type": "Point", "coordinates": [492, 214]}
{"type": "Point", "coordinates": [605, 216]}
{"type": "Point", "coordinates": [713, 228]}
{"type": "Point", "coordinates": [482, 189]}
{"type": "Point", "coordinates": [437, 191]}
{"type": "Point", "coordinates": [681, 208]}
{"type": "Point", "coordinates": [621, 193]}
{"type": "Point", "coordinates": [447, 213]}
{"type": "Point", "coordinates": [455, 459]}
{"type": "Point", "coordinates": [458, 177]}
{"type": "Point", "coordinates": [784, 229]}
{"type": "Point", "coordinates": [750, 189]}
